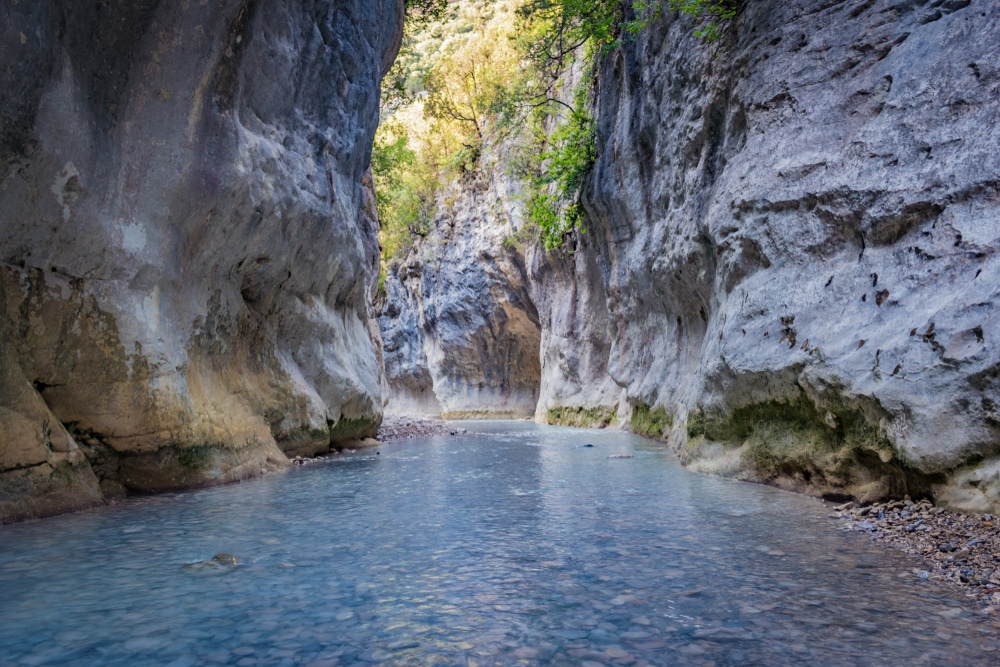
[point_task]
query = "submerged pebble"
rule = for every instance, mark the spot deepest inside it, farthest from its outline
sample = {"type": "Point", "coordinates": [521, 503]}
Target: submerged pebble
{"type": "Point", "coordinates": [961, 549]}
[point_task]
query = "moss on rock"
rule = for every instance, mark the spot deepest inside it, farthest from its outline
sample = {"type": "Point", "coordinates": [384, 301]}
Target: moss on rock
{"type": "Point", "coordinates": [797, 445]}
{"type": "Point", "coordinates": [582, 417]}
{"type": "Point", "coordinates": [197, 457]}
{"type": "Point", "coordinates": [347, 429]}
{"type": "Point", "coordinates": [180, 466]}
{"type": "Point", "coordinates": [651, 422]}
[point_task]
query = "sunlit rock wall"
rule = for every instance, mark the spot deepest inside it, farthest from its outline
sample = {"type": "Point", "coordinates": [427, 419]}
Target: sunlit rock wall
{"type": "Point", "coordinates": [797, 231]}
{"type": "Point", "coordinates": [460, 328]}
{"type": "Point", "coordinates": [188, 251]}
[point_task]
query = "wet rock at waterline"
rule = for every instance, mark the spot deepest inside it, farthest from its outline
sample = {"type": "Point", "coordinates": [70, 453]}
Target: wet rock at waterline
{"type": "Point", "coordinates": [963, 550]}
{"type": "Point", "coordinates": [217, 564]}
{"type": "Point", "coordinates": [509, 545]}
{"type": "Point", "coordinates": [188, 247]}
{"type": "Point", "coordinates": [799, 242]}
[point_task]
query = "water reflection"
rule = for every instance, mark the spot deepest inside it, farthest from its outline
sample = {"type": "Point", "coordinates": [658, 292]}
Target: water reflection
{"type": "Point", "coordinates": [511, 545]}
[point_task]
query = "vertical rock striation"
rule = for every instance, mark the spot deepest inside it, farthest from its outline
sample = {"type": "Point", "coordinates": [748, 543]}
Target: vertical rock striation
{"type": "Point", "coordinates": [790, 267]}
{"type": "Point", "coordinates": [187, 255]}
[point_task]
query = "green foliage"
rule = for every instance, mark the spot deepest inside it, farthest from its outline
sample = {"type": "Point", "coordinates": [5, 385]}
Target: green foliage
{"type": "Point", "coordinates": [404, 190]}
{"type": "Point", "coordinates": [573, 153]}
{"type": "Point", "coordinates": [713, 15]}
{"type": "Point", "coordinates": [383, 275]}
{"type": "Point", "coordinates": [581, 417]}
{"type": "Point", "coordinates": [478, 72]}
{"type": "Point", "coordinates": [557, 29]}
{"type": "Point", "coordinates": [565, 159]}
{"type": "Point", "coordinates": [391, 156]}
{"type": "Point", "coordinates": [421, 12]}
{"type": "Point", "coordinates": [651, 422]}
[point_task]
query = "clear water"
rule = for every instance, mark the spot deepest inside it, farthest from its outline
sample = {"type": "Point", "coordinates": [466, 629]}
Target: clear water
{"type": "Point", "coordinates": [511, 545]}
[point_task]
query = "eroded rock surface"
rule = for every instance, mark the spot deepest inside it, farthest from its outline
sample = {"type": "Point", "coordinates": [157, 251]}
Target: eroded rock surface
{"type": "Point", "coordinates": [799, 241]}
{"type": "Point", "coordinates": [460, 328]}
{"type": "Point", "coordinates": [188, 249]}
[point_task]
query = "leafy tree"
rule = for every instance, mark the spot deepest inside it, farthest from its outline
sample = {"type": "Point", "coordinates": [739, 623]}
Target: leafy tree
{"type": "Point", "coordinates": [421, 12]}
{"type": "Point", "coordinates": [469, 87]}
{"type": "Point", "coordinates": [472, 72]}
{"type": "Point", "coordinates": [404, 189]}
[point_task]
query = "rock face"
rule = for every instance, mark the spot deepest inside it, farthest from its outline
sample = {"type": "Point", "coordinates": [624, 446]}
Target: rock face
{"type": "Point", "coordinates": [461, 331]}
{"type": "Point", "coordinates": [790, 269]}
{"type": "Point", "coordinates": [577, 333]}
{"type": "Point", "coordinates": [188, 249]}
{"type": "Point", "coordinates": [799, 236]}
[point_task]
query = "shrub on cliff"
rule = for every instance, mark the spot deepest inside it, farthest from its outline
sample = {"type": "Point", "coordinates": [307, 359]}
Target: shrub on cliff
{"type": "Point", "coordinates": [478, 72]}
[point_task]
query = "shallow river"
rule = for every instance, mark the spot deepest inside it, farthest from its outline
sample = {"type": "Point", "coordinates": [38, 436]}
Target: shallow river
{"type": "Point", "coordinates": [512, 544]}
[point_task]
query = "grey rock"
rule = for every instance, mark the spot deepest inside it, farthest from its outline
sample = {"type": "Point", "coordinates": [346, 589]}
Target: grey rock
{"type": "Point", "coordinates": [807, 225]}
{"type": "Point", "coordinates": [791, 248]}
{"type": "Point", "coordinates": [460, 329]}
{"type": "Point", "coordinates": [189, 243]}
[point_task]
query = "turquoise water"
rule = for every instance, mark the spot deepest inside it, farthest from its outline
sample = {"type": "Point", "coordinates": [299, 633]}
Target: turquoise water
{"type": "Point", "coordinates": [511, 544]}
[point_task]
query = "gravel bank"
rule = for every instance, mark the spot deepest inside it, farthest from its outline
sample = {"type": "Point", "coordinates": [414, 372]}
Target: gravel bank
{"type": "Point", "coordinates": [962, 549]}
{"type": "Point", "coordinates": [402, 427]}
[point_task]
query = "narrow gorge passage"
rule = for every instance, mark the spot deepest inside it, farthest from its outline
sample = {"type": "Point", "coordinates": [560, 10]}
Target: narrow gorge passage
{"type": "Point", "coordinates": [764, 233]}
{"type": "Point", "coordinates": [733, 240]}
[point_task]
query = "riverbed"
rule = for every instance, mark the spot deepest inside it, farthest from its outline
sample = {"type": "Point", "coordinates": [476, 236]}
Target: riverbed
{"type": "Point", "coordinates": [509, 544]}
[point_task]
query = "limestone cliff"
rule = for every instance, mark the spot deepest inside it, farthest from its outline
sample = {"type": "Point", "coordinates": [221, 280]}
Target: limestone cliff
{"type": "Point", "coordinates": [798, 235]}
{"type": "Point", "coordinates": [460, 327]}
{"type": "Point", "coordinates": [790, 266]}
{"type": "Point", "coordinates": [188, 250]}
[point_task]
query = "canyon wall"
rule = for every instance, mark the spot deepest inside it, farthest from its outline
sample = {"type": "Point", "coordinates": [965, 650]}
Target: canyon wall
{"type": "Point", "coordinates": [189, 244]}
{"type": "Point", "coordinates": [790, 269]}
{"type": "Point", "coordinates": [459, 324]}
{"type": "Point", "coordinates": [798, 235]}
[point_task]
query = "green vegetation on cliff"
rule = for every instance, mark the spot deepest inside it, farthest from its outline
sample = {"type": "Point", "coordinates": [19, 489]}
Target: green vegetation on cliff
{"type": "Point", "coordinates": [579, 416]}
{"type": "Point", "coordinates": [651, 422]}
{"type": "Point", "coordinates": [841, 447]}
{"type": "Point", "coordinates": [476, 73]}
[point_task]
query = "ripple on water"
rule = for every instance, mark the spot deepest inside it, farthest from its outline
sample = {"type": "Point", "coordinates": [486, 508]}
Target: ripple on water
{"type": "Point", "coordinates": [511, 544]}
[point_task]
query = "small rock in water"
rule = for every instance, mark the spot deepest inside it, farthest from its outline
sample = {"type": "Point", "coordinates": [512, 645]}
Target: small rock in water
{"type": "Point", "coordinates": [588, 445]}
{"type": "Point", "coordinates": [217, 563]}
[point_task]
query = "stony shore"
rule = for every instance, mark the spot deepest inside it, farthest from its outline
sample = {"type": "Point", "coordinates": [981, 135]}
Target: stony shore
{"type": "Point", "coordinates": [393, 429]}
{"type": "Point", "coordinates": [402, 427]}
{"type": "Point", "coordinates": [960, 549]}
